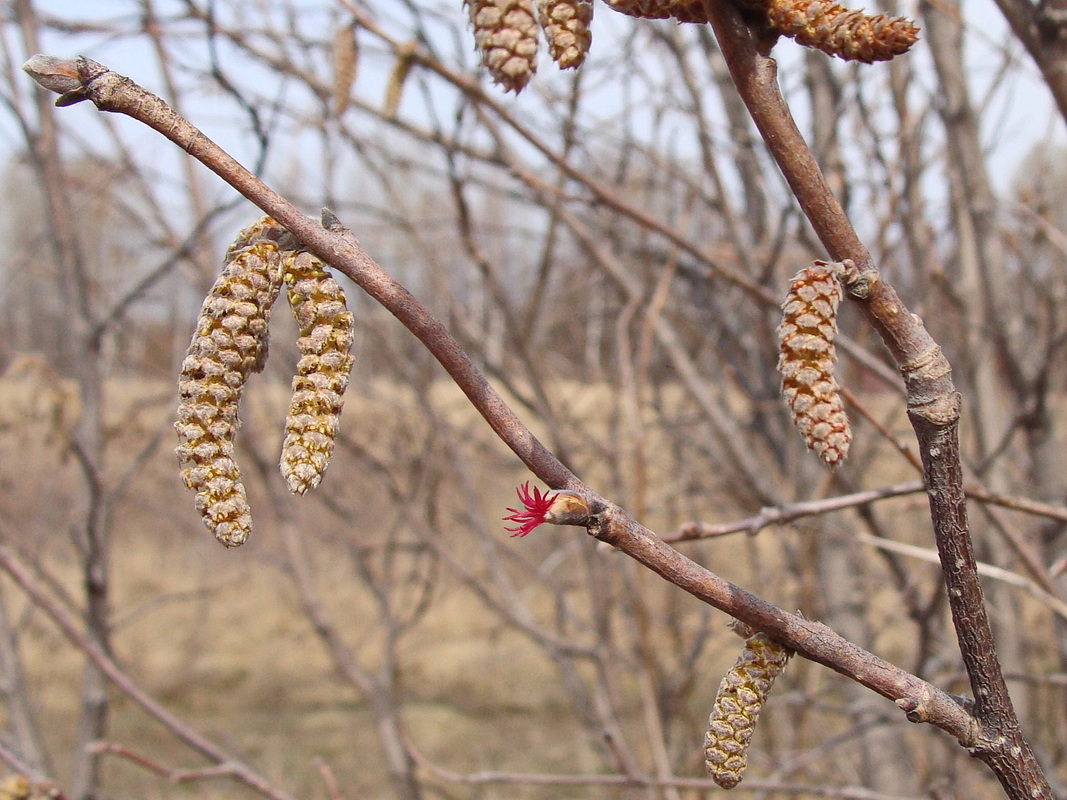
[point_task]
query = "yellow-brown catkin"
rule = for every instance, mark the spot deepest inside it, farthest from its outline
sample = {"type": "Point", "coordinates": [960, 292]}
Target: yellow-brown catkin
{"type": "Point", "coordinates": [839, 31]}
{"type": "Point", "coordinates": [15, 787]}
{"type": "Point", "coordinates": [566, 27]}
{"type": "Point", "coordinates": [741, 696]}
{"type": "Point", "coordinates": [806, 361]}
{"type": "Point", "coordinates": [318, 303]}
{"type": "Point", "coordinates": [394, 88]}
{"type": "Point", "coordinates": [229, 344]}
{"type": "Point", "coordinates": [344, 58]}
{"type": "Point", "coordinates": [681, 10]}
{"type": "Point", "coordinates": [505, 33]}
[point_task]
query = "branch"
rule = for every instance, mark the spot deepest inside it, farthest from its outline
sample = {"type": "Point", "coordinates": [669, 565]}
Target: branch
{"type": "Point", "coordinates": [62, 620]}
{"type": "Point", "coordinates": [933, 402]}
{"type": "Point", "coordinates": [83, 79]}
{"type": "Point", "coordinates": [705, 784]}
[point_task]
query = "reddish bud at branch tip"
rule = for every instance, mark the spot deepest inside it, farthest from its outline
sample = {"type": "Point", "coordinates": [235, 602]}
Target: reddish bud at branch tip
{"type": "Point", "coordinates": [559, 507]}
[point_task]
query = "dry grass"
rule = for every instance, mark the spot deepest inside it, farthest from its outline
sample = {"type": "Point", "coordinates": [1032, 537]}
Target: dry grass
{"type": "Point", "coordinates": [221, 637]}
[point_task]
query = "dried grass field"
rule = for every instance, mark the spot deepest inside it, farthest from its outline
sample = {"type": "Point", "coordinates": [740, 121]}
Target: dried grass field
{"type": "Point", "coordinates": [410, 561]}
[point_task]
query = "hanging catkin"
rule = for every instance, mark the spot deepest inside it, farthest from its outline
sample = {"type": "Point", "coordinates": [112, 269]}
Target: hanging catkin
{"type": "Point", "coordinates": [839, 31]}
{"type": "Point", "coordinates": [806, 361]}
{"type": "Point", "coordinates": [344, 59]}
{"type": "Point", "coordinates": [318, 304]}
{"type": "Point", "coordinates": [505, 33]}
{"type": "Point", "coordinates": [681, 10]}
{"type": "Point", "coordinates": [821, 24]}
{"type": "Point", "coordinates": [566, 27]}
{"type": "Point", "coordinates": [229, 344]}
{"type": "Point", "coordinates": [738, 703]}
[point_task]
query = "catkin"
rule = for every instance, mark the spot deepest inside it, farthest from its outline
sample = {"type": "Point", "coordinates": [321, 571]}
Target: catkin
{"type": "Point", "coordinates": [806, 361]}
{"type": "Point", "coordinates": [505, 33]}
{"type": "Point", "coordinates": [738, 703]}
{"type": "Point", "coordinates": [15, 787]}
{"type": "Point", "coordinates": [228, 345]}
{"type": "Point", "coordinates": [566, 27]}
{"type": "Point", "coordinates": [839, 31]}
{"type": "Point", "coordinates": [821, 24]}
{"type": "Point", "coordinates": [344, 58]}
{"type": "Point", "coordinates": [394, 88]}
{"type": "Point", "coordinates": [681, 10]}
{"type": "Point", "coordinates": [318, 303]}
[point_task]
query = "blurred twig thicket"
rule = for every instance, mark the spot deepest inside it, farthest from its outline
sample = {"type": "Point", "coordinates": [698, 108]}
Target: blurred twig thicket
{"type": "Point", "coordinates": [611, 248]}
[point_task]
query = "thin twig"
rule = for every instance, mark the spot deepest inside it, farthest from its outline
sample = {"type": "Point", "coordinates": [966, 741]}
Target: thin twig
{"type": "Point", "coordinates": [933, 402]}
{"type": "Point", "coordinates": [66, 624]}
{"type": "Point", "coordinates": [790, 512]}
{"type": "Point", "coordinates": [921, 701]}
{"type": "Point", "coordinates": [547, 779]}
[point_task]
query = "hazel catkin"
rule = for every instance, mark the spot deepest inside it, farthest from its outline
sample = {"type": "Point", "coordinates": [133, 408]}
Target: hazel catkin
{"type": "Point", "coordinates": [566, 27]}
{"type": "Point", "coordinates": [505, 33]}
{"type": "Point", "coordinates": [806, 361]}
{"type": "Point", "coordinates": [738, 704]}
{"type": "Point", "coordinates": [838, 31]}
{"type": "Point", "coordinates": [229, 344]}
{"type": "Point", "coordinates": [318, 304]}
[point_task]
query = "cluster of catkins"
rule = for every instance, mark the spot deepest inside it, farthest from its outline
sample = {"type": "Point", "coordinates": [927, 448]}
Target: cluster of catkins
{"type": "Point", "coordinates": [806, 364]}
{"type": "Point", "coordinates": [230, 343]}
{"type": "Point", "coordinates": [506, 31]}
{"type": "Point", "coordinates": [738, 703]}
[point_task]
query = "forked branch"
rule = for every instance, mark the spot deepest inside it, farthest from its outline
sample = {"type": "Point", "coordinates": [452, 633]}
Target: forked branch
{"type": "Point", "coordinates": [991, 732]}
{"type": "Point", "coordinates": [932, 399]}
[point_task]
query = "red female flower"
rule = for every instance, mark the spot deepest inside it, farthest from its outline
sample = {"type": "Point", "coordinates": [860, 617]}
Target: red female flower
{"type": "Point", "coordinates": [557, 506]}
{"type": "Point", "coordinates": [533, 512]}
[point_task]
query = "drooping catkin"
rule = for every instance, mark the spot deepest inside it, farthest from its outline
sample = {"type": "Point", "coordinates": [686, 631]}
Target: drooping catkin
{"type": "Point", "coordinates": [229, 344]}
{"type": "Point", "coordinates": [318, 303]}
{"type": "Point", "coordinates": [738, 703]}
{"type": "Point", "coordinates": [15, 787]}
{"type": "Point", "coordinates": [681, 10]}
{"type": "Point", "coordinates": [344, 59]}
{"type": "Point", "coordinates": [394, 88]}
{"type": "Point", "coordinates": [839, 31]}
{"type": "Point", "coordinates": [806, 361]}
{"type": "Point", "coordinates": [566, 27]}
{"type": "Point", "coordinates": [505, 33]}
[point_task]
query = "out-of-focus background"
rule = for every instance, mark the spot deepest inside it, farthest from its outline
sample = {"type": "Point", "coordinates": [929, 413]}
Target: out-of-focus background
{"type": "Point", "coordinates": [611, 247]}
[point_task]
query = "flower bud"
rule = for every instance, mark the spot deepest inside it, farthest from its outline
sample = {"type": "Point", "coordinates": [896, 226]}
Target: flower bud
{"type": "Point", "coordinates": [838, 31]}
